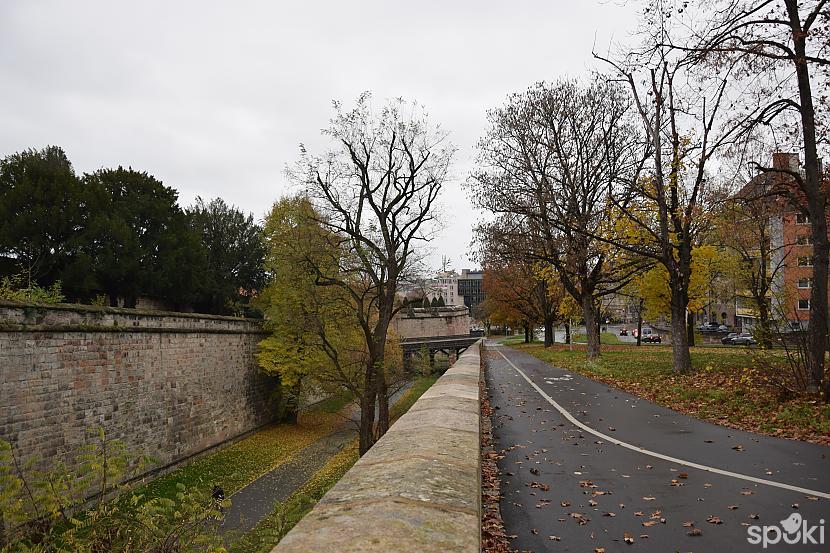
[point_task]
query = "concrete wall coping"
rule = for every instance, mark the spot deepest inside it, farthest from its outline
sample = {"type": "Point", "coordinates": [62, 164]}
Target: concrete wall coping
{"type": "Point", "coordinates": [418, 489]}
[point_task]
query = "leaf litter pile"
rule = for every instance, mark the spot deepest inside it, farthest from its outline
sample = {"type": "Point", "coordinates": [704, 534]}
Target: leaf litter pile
{"type": "Point", "coordinates": [493, 536]}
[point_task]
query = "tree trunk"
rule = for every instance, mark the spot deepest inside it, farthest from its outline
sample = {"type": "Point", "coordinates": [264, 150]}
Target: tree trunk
{"type": "Point", "coordinates": [367, 411]}
{"type": "Point", "coordinates": [527, 333]}
{"type": "Point", "coordinates": [817, 206]}
{"type": "Point", "coordinates": [690, 328]}
{"type": "Point", "coordinates": [679, 338]}
{"type": "Point", "coordinates": [383, 401]}
{"type": "Point", "coordinates": [819, 311]}
{"type": "Point", "coordinates": [567, 332]}
{"type": "Point", "coordinates": [549, 330]}
{"type": "Point", "coordinates": [589, 312]}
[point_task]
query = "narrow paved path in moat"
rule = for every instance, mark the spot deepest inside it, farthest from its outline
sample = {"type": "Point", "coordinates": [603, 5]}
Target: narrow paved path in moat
{"type": "Point", "coordinates": [585, 464]}
{"type": "Point", "coordinates": [255, 501]}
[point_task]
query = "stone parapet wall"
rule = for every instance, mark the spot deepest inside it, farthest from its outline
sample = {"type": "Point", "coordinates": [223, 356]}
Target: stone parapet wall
{"type": "Point", "coordinates": [418, 489]}
{"type": "Point", "coordinates": [169, 385]}
{"type": "Point", "coordinates": [432, 322]}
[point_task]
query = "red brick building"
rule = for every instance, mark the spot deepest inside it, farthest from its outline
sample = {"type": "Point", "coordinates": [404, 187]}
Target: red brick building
{"type": "Point", "coordinates": [791, 249]}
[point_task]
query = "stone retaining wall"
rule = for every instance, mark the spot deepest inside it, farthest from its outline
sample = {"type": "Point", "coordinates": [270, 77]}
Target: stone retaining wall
{"type": "Point", "coordinates": [169, 385]}
{"type": "Point", "coordinates": [418, 489]}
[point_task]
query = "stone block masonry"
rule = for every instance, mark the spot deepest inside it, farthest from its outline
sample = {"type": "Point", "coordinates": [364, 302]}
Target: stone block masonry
{"type": "Point", "coordinates": [418, 489]}
{"type": "Point", "coordinates": [169, 385]}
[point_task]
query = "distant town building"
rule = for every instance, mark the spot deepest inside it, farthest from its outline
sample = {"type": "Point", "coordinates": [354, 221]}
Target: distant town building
{"type": "Point", "coordinates": [470, 288]}
{"type": "Point", "coordinates": [445, 285]}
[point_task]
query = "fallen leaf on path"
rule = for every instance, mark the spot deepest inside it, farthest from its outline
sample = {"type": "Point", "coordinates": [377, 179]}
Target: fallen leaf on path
{"type": "Point", "coordinates": [649, 498]}
{"type": "Point", "coordinates": [712, 519]}
{"type": "Point", "coordinates": [688, 524]}
{"type": "Point", "coordinates": [628, 538]}
{"type": "Point", "coordinates": [695, 532]}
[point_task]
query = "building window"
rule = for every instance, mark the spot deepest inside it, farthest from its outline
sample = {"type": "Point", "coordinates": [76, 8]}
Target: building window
{"type": "Point", "coordinates": [803, 305]}
{"type": "Point", "coordinates": [801, 219]}
{"type": "Point", "coordinates": [805, 283]}
{"type": "Point", "coordinates": [804, 240]}
{"type": "Point", "coordinates": [806, 261]}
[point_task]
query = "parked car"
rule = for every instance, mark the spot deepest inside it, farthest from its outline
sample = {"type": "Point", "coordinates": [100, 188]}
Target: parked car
{"type": "Point", "coordinates": [728, 338]}
{"type": "Point", "coordinates": [744, 339]}
{"type": "Point", "coordinates": [708, 327]}
{"type": "Point", "coordinates": [651, 338]}
{"type": "Point", "coordinates": [623, 331]}
{"type": "Point", "coordinates": [723, 328]}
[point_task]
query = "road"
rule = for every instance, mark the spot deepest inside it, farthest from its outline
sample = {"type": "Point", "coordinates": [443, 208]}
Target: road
{"type": "Point", "coordinates": [614, 464]}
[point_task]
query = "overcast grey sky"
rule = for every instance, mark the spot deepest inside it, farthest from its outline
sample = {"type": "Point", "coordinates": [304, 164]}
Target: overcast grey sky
{"type": "Point", "coordinates": [213, 98]}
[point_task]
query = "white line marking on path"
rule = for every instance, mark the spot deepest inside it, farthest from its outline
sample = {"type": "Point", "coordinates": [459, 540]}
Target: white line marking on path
{"type": "Point", "coordinates": [644, 451]}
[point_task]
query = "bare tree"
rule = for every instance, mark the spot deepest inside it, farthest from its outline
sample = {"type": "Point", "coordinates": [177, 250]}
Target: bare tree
{"type": "Point", "coordinates": [376, 190]}
{"type": "Point", "coordinates": [783, 47]}
{"type": "Point", "coordinates": [550, 158]}
{"type": "Point", "coordinates": [686, 118]}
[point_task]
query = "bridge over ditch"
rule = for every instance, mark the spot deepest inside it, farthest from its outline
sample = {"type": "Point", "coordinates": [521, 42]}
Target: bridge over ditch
{"type": "Point", "coordinates": [451, 346]}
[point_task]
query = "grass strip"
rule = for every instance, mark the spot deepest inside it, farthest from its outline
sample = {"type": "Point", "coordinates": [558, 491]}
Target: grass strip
{"type": "Point", "coordinates": [270, 530]}
{"type": "Point", "coordinates": [725, 386]}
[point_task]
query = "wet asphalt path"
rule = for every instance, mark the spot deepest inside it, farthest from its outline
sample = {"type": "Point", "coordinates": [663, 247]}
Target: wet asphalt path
{"type": "Point", "coordinates": [560, 481]}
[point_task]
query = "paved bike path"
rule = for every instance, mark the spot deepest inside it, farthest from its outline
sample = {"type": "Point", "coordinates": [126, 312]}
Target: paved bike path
{"type": "Point", "coordinates": [588, 478]}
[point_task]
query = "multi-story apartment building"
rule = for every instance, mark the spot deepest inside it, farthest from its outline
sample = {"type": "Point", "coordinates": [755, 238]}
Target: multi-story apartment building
{"type": "Point", "coordinates": [790, 245]}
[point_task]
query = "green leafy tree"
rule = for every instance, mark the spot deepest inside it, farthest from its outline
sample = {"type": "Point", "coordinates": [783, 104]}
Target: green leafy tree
{"type": "Point", "coordinates": [142, 243]}
{"type": "Point", "coordinates": [314, 334]}
{"type": "Point", "coordinates": [235, 251]}
{"type": "Point", "coordinates": [43, 212]}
